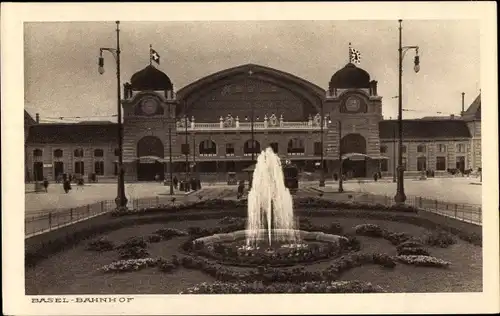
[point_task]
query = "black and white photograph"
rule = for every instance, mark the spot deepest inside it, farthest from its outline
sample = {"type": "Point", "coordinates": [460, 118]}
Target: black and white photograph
{"type": "Point", "coordinates": [178, 157]}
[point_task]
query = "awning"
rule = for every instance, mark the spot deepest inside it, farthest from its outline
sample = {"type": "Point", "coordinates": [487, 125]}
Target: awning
{"type": "Point", "coordinates": [359, 156]}
{"type": "Point", "coordinates": [127, 160]}
{"type": "Point", "coordinates": [150, 159]}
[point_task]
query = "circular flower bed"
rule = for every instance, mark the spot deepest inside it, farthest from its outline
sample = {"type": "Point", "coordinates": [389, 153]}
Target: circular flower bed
{"type": "Point", "coordinates": [231, 248]}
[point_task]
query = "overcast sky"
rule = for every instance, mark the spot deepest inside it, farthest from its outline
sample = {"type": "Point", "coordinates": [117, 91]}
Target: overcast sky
{"type": "Point", "coordinates": [61, 77]}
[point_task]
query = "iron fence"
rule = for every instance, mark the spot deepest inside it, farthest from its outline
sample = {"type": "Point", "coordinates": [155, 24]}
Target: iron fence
{"type": "Point", "coordinates": [45, 221]}
{"type": "Point", "coordinates": [471, 213]}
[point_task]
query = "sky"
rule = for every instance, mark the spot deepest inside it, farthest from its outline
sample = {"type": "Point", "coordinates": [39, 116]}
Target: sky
{"type": "Point", "coordinates": [61, 77]}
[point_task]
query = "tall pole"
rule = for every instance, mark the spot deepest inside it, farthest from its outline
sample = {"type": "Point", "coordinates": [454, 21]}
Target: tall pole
{"type": "Point", "coordinates": [187, 141]}
{"type": "Point", "coordinates": [121, 199]}
{"type": "Point", "coordinates": [194, 155]}
{"type": "Point", "coordinates": [251, 121]}
{"type": "Point", "coordinates": [322, 174]}
{"type": "Point", "coordinates": [170, 150]}
{"type": "Point", "coordinates": [400, 197]}
{"type": "Point", "coordinates": [394, 176]}
{"type": "Point", "coordinates": [341, 168]}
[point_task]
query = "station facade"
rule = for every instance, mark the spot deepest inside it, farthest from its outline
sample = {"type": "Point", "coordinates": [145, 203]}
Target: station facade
{"type": "Point", "coordinates": [221, 122]}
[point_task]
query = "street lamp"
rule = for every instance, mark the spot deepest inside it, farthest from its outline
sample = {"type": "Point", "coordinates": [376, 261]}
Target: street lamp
{"type": "Point", "coordinates": [341, 168]}
{"type": "Point", "coordinates": [121, 199]}
{"type": "Point", "coordinates": [400, 196]}
{"type": "Point", "coordinates": [322, 174]}
{"type": "Point", "coordinates": [170, 150]}
{"type": "Point", "coordinates": [186, 146]}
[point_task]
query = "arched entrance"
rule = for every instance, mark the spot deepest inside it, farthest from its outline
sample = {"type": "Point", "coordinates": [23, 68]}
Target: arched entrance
{"type": "Point", "coordinates": [353, 166]}
{"type": "Point", "coordinates": [150, 154]}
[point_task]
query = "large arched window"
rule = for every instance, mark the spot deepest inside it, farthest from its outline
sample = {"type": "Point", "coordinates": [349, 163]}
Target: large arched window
{"type": "Point", "coordinates": [37, 153]}
{"type": "Point", "coordinates": [296, 146]}
{"type": "Point", "coordinates": [208, 147]}
{"type": "Point", "coordinates": [353, 143]}
{"type": "Point", "coordinates": [98, 153]}
{"type": "Point", "coordinates": [250, 147]}
{"type": "Point", "coordinates": [150, 146]}
{"type": "Point", "coordinates": [58, 153]}
{"type": "Point", "coordinates": [78, 152]}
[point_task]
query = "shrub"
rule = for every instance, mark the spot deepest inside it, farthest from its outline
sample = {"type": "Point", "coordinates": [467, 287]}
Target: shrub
{"type": "Point", "coordinates": [133, 242]}
{"type": "Point", "coordinates": [384, 260]}
{"type": "Point", "coordinates": [169, 233]}
{"type": "Point", "coordinates": [371, 230]}
{"type": "Point", "coordinates": [412, 243]}
{"type": "Point", "coordinates": [154, 238]}
{"type": "Point", "coordinates": [438, 238]}
{"type": "Point", "coordinates": [412, 251]}
{"type": "Point", "coordinates": [133, 253]}
{"type": "Point", "coordinates": [129, 265]}
{"type": "Point", "coordinates": [100, 245]}
{"type": "Point", "coordinates": [167, 266]}
{"type": "Point", "coordinates": [426, 261]}
{"type": "Point", "coordinates": [397, 238]}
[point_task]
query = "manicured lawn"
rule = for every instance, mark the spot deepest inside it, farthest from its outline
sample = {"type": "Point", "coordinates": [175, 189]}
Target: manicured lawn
{"type": "Point", "coordinates": [75, 271]}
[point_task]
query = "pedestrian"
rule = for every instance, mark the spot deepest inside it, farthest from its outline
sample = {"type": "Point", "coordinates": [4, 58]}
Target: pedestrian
{"type": "Point", "coordinates": [66, 185]}
{"type": "Point", "coordinates": [176, 182]}
{"type": "Point", "coordinates": [46, 184]}
{"type": "Point", "coordinates": [157, 177]}
{"type": "Point", "coordinates": [241, 189]}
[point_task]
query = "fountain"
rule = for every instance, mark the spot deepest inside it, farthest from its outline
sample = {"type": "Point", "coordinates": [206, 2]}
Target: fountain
{"type": "Point", "coordinates": [270, 204]}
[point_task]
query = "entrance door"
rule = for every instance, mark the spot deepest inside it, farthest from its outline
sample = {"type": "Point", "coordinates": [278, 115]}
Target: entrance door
{"type": "Point", "coordinates": [38, 171]}
{"type": "Point", "coordinates": [58, 168]}
{"type": "Point", "coordinates": [461, 163]}
{"type": "Point", "coordinates": [354, 168]}
{"type": "Point", "coordinates": [148, 171]}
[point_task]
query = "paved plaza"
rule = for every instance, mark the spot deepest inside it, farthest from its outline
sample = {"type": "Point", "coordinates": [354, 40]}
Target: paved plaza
{"type": "Point", "coordinates": [456, 190]}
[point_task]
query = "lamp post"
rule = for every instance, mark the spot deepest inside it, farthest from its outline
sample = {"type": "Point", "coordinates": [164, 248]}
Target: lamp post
{"type": "Point", "coordinates": [170, 150]}
{"type": "Point", "coordinates": [341, 169]}
{"type": "Point", "coordinates": [186, 147]}
{"type": "Point", "coordinates": [121, 199]}
{"type": "Point", "coordinates": [322, 171]}
{"type": "Point", "coordinates": [400, 196]}
{"type": "Point", "coordinates": [251, 123]}
{"type": "Point", "coordinates": [394, 177]}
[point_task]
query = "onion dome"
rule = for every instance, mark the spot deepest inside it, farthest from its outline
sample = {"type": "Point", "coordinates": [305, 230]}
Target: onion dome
{"type": "Point", "coordinates": [350, 77]}
{"type": "Point", "coordinates": [150, 78]}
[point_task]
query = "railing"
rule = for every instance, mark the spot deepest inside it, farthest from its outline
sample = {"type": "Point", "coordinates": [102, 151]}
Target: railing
{"type": "Point", "coordinates": [194, 126]}
{"type": "Point", "coordinates": [470, 213]}
{"type": "Point", "coordinates": [45, 221]}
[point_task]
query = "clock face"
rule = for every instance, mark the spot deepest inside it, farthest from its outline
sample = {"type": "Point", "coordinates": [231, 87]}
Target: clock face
{"type": "Point", "coordinates": [149, 106]}
{"type": "Point", "coordinates": [353, 104]}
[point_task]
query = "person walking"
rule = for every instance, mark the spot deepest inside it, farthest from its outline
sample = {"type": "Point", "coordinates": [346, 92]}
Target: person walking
{"type": "Point", "coordinates": [241, 189]}
{"type": "Point", "coordinates": [176, 182]}
{"type": "Point", "coordinates": [66, 185]}
{"type": "Point", "coordinates": [46, 184]}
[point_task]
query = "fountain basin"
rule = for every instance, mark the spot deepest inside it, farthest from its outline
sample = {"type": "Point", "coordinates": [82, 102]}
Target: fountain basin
{"type": "Point", "coordinates": [233, 248]}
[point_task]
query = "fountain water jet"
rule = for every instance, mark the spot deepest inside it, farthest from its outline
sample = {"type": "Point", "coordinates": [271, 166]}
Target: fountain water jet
{"type": "Point", "coordinates": [270, 204]}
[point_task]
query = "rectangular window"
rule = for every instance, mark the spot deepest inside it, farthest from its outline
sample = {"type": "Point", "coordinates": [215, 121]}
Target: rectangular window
{"type": "Point", "coordinates": [403, 149]}
{"type": "Point", "coordinates": [440, 163]}
{"type": "Point", "coordinates": [460, 148]}
{"type": "Point", "coordinates": [79, 167]}
{"type": "Point", "coordinates": [317, 148]}
{"type": "Point", "coordinates": [99, 168]}
{"type": "Point", "coordinates": [441, 148]}
{"type": "Point", "coordinates": [384, 165]}
{"type": "Point", "coordinates": [404, 163]}
{"type": "Point", "coordinates": [229, 149]}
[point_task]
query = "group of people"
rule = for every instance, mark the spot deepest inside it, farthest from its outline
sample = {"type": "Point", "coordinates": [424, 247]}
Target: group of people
{"type": "Point", "coordinates": [66, 184]}
{"type": "Point", "coordinates": [191, 184]}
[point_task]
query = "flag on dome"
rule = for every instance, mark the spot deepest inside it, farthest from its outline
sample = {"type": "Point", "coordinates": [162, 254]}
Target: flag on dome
{"type": "Point", "coordinates": [153, 55]}
{"type": "Point", "coordinates": [354, 55]}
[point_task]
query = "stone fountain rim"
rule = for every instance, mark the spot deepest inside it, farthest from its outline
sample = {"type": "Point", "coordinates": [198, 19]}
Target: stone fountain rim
{"type": "Point", "coordinates": [221, 237]}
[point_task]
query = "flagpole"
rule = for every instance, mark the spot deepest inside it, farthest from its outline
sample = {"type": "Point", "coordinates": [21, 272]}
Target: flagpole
{"type": "Point", "coordinates": [349, 54]}
{"type": "Point", "coordinates": [150, 59]}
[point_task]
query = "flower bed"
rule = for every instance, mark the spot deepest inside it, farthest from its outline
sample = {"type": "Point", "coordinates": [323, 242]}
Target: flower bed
{"type": "Point", "coordinates": [133, 248]}
{"type": "Point", "coordinates": [306, 287]}
{"type": "Point", "coordinates": [426, 261]}
{"type": "Point", "coordinates": [129, 265]}
{"type": "Point", "coordinates": [169, 233]}
{"type": "Point", "coordinates": [298, 274]}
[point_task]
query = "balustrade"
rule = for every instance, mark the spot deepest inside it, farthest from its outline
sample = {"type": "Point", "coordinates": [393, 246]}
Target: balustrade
{"type": "Point", "coordinates": [269, 122]}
